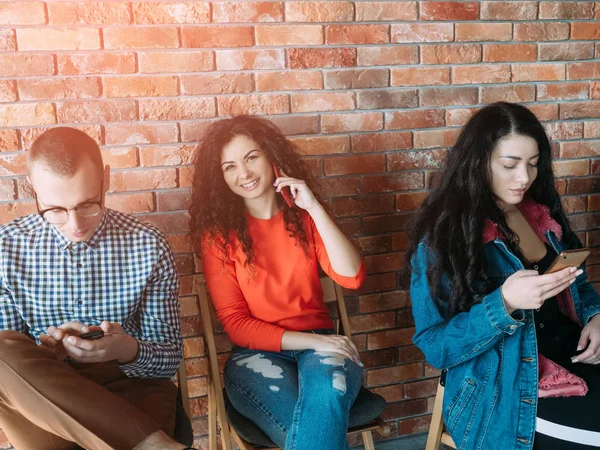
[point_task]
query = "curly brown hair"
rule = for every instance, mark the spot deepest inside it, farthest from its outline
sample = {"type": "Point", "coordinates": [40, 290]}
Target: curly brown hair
{"type": "Point", "coordinates": [215, 211]}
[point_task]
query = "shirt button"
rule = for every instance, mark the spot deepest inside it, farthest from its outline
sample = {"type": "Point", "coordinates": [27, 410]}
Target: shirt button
{"type": "Point", "coordinates": [80, 302]}
{"type": "Point", "coordinates": [536, 267]}
{"type": "Point", "coordinates": [79, 265]}
{"type": "Point", "coordinates": [541, 325]}
{"type": "Point", "coordinates": [513, 327]}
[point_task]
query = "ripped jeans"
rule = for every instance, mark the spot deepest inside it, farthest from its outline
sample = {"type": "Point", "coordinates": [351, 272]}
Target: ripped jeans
{"type": "Point", "coordinates": [300, 399]}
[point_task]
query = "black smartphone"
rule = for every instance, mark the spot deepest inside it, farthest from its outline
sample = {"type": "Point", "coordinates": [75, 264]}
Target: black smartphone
{"type": "Point", "coordinates": [92, 335]}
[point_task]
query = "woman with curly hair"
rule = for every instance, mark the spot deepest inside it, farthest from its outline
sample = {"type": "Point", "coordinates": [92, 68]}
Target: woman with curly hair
{"type": "Point", "coordinates": [519, 348]}
{"type": "Point", "coordinates": [289, 373]}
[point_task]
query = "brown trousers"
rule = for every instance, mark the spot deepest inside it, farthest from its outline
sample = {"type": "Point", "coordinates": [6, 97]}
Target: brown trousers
{"type": "Point", "coordinates": [46, 404]}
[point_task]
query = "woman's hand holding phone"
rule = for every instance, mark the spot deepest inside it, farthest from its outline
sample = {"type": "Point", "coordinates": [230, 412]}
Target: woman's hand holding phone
{"type": "Point", "coordinates": [300, 192]}
{"type": "Point", "coordinates": [526, 289]}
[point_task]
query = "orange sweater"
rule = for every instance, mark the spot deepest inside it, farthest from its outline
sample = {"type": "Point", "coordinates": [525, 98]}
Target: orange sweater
{"type": "Point", "coordinates": [284, 291]}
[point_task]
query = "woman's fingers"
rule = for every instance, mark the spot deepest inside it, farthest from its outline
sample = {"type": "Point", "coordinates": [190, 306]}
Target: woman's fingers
{"type": "Point", "coordinates": [557, 290]}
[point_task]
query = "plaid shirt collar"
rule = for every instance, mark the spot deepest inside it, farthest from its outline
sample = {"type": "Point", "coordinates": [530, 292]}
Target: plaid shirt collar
{"type": "Point", "coordinates": [63, 243]}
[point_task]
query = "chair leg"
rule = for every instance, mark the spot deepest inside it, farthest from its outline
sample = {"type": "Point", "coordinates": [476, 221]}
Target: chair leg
{"type": "Point", "coordinates": [368, 440]}
{"type": "Point", "coordinates": [437, 422]}
{"type": "Point", "coordinates": [212, 418]}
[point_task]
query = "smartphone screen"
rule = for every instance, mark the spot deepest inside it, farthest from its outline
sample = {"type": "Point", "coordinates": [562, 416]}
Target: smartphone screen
{"type": "Point", "coordinates": [569, 258]}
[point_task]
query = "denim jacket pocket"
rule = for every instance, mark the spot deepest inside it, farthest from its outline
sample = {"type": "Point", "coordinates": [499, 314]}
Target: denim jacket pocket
{"type": "Point", "coordinates": [459, 402]}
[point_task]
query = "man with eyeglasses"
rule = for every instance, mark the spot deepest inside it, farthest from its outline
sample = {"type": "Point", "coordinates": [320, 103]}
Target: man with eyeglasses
{"type": "Point", "coordinates": [74, 268]}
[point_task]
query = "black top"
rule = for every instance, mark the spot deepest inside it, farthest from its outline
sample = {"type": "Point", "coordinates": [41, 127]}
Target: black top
{"type": "Point", "coordinates": [557, 335]}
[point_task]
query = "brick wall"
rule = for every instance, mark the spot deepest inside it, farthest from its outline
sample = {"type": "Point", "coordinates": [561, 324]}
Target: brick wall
{"type": "Point", "coordinates": [373, 92]}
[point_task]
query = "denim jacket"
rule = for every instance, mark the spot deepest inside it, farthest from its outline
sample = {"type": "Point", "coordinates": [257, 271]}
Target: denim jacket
{"type": "Point", "coordinates": [491, 357]}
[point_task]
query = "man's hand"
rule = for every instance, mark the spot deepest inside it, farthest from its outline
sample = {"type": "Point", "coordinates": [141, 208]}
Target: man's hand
{"type": "Point", "coordinates": [590, 334]}
{"type": "Point", "coordinates": [116, 345]}
{"type": "Point", "coordinates": [54, 346]}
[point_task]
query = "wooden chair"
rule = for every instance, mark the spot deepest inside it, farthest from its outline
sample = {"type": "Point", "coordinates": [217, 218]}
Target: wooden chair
{"type": "Point", "coordinates": [437, 433]}
{"type": "Point", "coordinates": [217, 410]}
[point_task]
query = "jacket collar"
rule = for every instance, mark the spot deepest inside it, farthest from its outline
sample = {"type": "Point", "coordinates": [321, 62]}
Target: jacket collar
{"type": "Point", "coordinates": [537, 215]}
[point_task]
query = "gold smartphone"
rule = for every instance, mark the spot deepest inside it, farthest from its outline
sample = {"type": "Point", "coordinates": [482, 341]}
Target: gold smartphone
{"type": "Point", "coordinates": [569, 258]}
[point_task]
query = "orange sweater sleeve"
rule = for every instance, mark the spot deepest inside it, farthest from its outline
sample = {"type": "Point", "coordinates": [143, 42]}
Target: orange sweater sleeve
{"type": "Point", "coordinates": [230, 305]}
{"type": "Point", "coordinates": [348, 282]}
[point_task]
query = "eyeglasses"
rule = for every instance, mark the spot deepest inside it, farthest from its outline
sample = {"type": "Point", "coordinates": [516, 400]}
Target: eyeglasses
{"type": "Point", "coordinates": [86, 210]}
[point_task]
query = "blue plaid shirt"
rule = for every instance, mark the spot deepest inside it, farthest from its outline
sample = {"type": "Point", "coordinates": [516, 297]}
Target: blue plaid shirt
{"type": "Point", "coordinates": [125, 273]}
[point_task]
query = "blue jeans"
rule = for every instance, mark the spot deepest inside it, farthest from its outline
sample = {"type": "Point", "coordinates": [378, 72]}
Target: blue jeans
{"type": "Point", "coordinates": [300, 399]}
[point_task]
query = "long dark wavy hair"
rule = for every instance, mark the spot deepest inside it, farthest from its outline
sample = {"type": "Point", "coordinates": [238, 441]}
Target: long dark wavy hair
{"type": "Point", "coordinates": [215, 211]}
{"type": "Point", "coordinates": [452, 218]}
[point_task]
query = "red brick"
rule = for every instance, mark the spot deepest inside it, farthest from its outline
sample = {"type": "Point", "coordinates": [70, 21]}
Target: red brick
{"type": "Point", "coordinates": [393, 338]}
{"type": "Point", "coordinates": [574, 204]}
{"type": "Point", "coordinates": [10, 211]}
{"type": "Point", "coordinates": [404, 409]}
{"type": "Point", "coordinates": [22, 13]}
{"type": "Point", "coordinates": [422, 32]}
{"type": "Point", "coordinates": [317, 11]}
{"type": "Point", "coordinates": [85, 13]}
{"type": "Point", "coordinates": [420, 389]}
{"type": "Point", "coordinates": [120, 157]}
{"type": "Point", "coordinates": [585, 30]}
{"type": "Point", "coordinates": [344, 123]}
{"type": "Point", "coordinates": [580, 149]}
{"type": "Point", "coordinates": [193, 131]}
{"type": "Point", "coordinates": [377, 142]}
{"type": "Point", "coordinates": [216, 83]}
{"type": "Point", "coordinates": [407, 120]}
{"type": "Point", "coordinates": [357, 206]}
{"type": "Point", "coordinates": [8, 41]}
{"type": "Point", "coordinates": [185, 175]}
{"type": "Point", "coordinates": [594, 205]}
{"type": "Point", "coordinates": [141, 37]}
{"type": "Point", "coordinates": [157, 13]}
{"type": "Point", "coordinates": [217, 36]}
{"type": "Point", "coordinates": [132, 134]}
{"type": "Point", "coordinates": [143, 180]}
{"type": "Point", "coordinates": [93, 63]}
{"type": "Point", "coordinates": [460, 116]}
{"type": "Point", "coordinates": [13, 164]}
{"type": "Point", "coordinates": [356, 79]}
{"type": "Point", "coordinates": [372, 244]}
{"type": "Point", "coordinates": [9, 140]}
{"type": "Point", "coordinates": [562, 91]}
{"type": "Point", "coordinates": [291, 125]}
{"type": "Point", "coordinates": [340, 187]}
{"type": "Point", "coordinates": [483, 32]}
{"type": "Point", "coordinates": [416, 160]}
{"type": "Point", "coordinates": [253, 104]}
{"type": "Point", "coordinates": [581, 110]}
{"type": "Point", "coordinates": [544, 112]}
{"type": "Point", "coordinates": [289, 81]}
{"type": "Point", "coordinates": [383, 301]}
{"type": "Point", "coordinates": [583, 71]}
{"type": "Point", "coordinates": [140, 86]}
{"type": "Point", "coordinates": [562, 131]}
{"type": "Point", "coordinates": [387, 223]}
{"type": "Point", "coordinates": [29, 135]}
{"type": "Point", "coordinates": [393, 182]}
{"type": "Point", "coordinates": [385, 11]}
{"type": "Point", "coordinates": [322, 145]}
{"type": "Point", "coordinates": [30, 39]}
{"type": "Point", "coordinates": [568, 10]}
{"type": "Point", "coordinates": [450, 53]}
{"type": "Point", "coordinates": [509, 52]}
{"type": "Point", "coordinates": [515, 93]}
{"type": "Point", "coordinates": [509, 10]}
{"type": "Point", "coordinates": [176, 201]}
{"type": "Point", "coordinates": [387, 98]}
{"type": "Point", "coordinates": [131, 203]}
{"type": "Point", "coordinates": [167, 155]}
{"type": "Point", "coordinates": [26, 64]}
{"type": "Point", "coordinates": [250, 59]}
{"type": "Point", "coordinates": [449, 11]}
{"type": "Point", "coordinates": [8, 192]}
{"type": "Point", "coordinates": [357, 34]}
{"type": "Point", "coordinates": [481, 73]}
{"type": "Point", "coordinates": [370, 322]}
{"type": "Point", "coordinates": [383, 56]}
{"type": "Point", "coordinates": [541, 31]}
{"type": "Point", "coordinates": [8, 91]}
{"type": "Point", "coordinates": [347, 165]}
{"type": "Point", "coordinates": [306, 58]}
{"type": "Point", "coordinates": [449, 96]}
{"type": "Point", "coordinates": [97, 111]}
{"type": "Point", "coordinates": [230, 12]}
{"type": "Point", "coordinates": [414, 425]}
{"type": "Point", "coordinates": [591, 130]}
{"type": "Point", "coordinates": [177, 108]}
{"type": "Point", "coordinates": [435, 138]}
{"type": "Point", "coordinates": [326, 101]}
{"type": "Point", "coordinates": [27, 114]}
{"type": "Point", "coordinates": [571, 168]}
{"type": "Point", "coordinates": [420, 76]}
{"type": "Point", "coordinates": [59, 88]}
{"type": "Point", "coordinates": [538, 72]}
{"type": "Point", "coordinates": [566, 51]}
{"type": "Point", "coordinates": [170, 61]}
{"type": "Point", "coordinates": [595, 90]}
{"type": "Point", "coordinates": [289, 34]}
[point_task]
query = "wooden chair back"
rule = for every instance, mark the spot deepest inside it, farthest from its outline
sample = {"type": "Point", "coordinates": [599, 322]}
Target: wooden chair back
{"type": "Point", "coordinates": [437, 433]}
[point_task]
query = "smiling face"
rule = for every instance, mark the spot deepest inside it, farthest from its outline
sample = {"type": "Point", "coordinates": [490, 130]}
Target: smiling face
{"type": "Point", "coordinates": [247, 169]}
{"type": "Point", "coordinates": [514, 167]}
